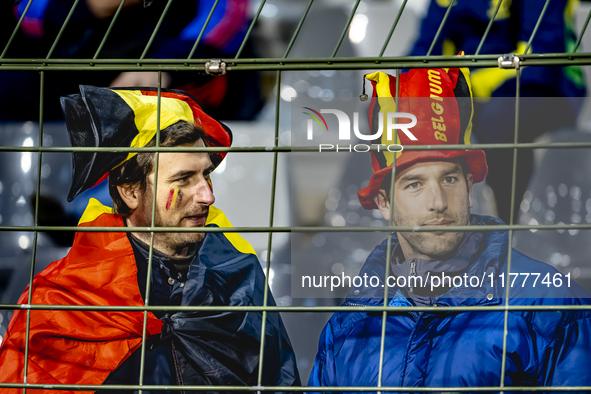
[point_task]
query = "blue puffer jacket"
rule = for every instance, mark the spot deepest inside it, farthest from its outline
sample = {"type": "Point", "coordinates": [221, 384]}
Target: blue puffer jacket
{"type": "Point", "coordinates": [463, 349]}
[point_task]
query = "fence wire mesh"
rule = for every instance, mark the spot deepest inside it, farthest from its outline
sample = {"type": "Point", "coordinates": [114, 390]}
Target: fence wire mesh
{"type": "Point", "coordinates": [278, 65]}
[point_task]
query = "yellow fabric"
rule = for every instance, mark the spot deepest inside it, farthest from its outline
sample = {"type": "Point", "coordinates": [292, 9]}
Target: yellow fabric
{"type": "Point", "coordinates": [468, 132]}
{"type": "Point", "coordinates": [570, 9]}
{"type": "Point", "coordinates": [443, 3]}
{"type": "Point", "coordinates": [487, 80]}
{"type": "Point", "coordinates": [146, 112]}
{"type": "Point", "coordinates": [504, 10]}
{"type": "Point", "coordinates": [93, 210]}
{"type": "Point", "coordinates": [387, 104]}
{"type": "Point", "coordinates": [574, 73]}
{"type": "Point", "coordinates": [174, 196]}
{"type": "Point", "coordinates": [218, 218]}
{"type": "Point", "coordinates": [449, 48]}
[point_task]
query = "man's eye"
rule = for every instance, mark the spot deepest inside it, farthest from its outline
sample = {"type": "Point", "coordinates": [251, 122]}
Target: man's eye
{"type": "Point", "coordinates": [413, 185]}
{"type": "Point", "coordinates": [183, 179]}
{"type": "Point", "coordinates": [450, 179]}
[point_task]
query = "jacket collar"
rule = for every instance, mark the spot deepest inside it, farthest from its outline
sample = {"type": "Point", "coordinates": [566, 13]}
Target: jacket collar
{"type": "Point", "coordinates": [481, 254]}
{"type": "Point", "coordinates": [160, 261]}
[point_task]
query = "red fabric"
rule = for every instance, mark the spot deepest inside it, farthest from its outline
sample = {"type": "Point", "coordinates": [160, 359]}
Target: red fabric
{"type": "Point", "coordinates": [416, 90]}
{"type": "Point", "coordinates": [79, 347]}
{"type": "Point", "coordinates": [210, 94]}
{"type": "Point", "coordinates": [101, 179]}
{"type": "Point", "coordinates": [414, 98]}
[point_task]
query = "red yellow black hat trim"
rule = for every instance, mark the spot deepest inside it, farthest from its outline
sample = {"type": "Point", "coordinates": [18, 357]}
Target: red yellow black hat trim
{"type": "Point", "coordinates": [127, 117]}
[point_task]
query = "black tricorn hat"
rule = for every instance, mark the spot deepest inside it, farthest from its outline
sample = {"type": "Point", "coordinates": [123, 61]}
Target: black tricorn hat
{"type": "Point", "coordinates": [126, 117]}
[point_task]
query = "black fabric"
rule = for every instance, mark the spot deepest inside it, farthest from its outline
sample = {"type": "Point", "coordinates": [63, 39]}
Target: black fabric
{"type": "Point", "coordinates": [81, 133]}
{"type": "Point", "coordinates": [114, 123]}
{"type": "Point", "coordinates": [96, 118]}
{"type": "Point", "coordinates": [163, 268]}
{"type": "Point", "coordinates": [223, 347]}
{"type": "Point", "coordinates": [210, 347]}
{"type": "Point", "coordinates": [157, 370]}
{"type": "Point", "coordinates": [464, 99]}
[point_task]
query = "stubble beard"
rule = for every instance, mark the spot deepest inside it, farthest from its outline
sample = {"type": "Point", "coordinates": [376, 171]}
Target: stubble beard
{"type": "Point", "coordinates": [168, 243]}
{"type": "Point", "coordinates": [440, 245]}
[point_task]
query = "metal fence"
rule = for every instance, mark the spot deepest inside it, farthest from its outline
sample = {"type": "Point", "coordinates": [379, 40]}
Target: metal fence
{"type": "Point", "coordinates": [279, 65]}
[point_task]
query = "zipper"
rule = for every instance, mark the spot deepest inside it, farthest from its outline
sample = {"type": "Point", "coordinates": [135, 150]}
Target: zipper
{"type": "Point", "coordinates": [413, 272]}
{"type": "Point", "coordinates": [354, 304]}
{"type": "Point", "coordinates": [410, 340]}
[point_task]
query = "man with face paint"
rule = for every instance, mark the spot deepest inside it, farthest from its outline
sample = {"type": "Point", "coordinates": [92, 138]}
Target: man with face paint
{"type": "Point", "coordinates": [183, 268]}
{"type": "Point", "coordinates": [184, 193]}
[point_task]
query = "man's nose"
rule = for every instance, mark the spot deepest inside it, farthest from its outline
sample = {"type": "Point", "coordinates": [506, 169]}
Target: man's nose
{"type": "Point", "coordinates": [204, 192]}
{"type": "Point", "coordinates": [436, 198]}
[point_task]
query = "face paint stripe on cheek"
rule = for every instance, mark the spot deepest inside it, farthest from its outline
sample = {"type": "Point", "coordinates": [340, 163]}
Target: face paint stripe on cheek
{"type": "Point", "coordinates": [210, 185]}
{"type": "Point", "coordinates": [176, 193]}
{"type": "Point", "coordinates": [169, 200]}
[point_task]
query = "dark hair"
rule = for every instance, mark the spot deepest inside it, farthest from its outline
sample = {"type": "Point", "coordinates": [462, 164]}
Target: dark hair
{"type": "Point", "coordinates": [136, 170]}
{"type": "Point", "coordinates": [387, 183]}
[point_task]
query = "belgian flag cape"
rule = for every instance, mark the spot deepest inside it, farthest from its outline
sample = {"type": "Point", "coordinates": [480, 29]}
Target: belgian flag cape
{"type": "Point", "coordinates": [84, 347]}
